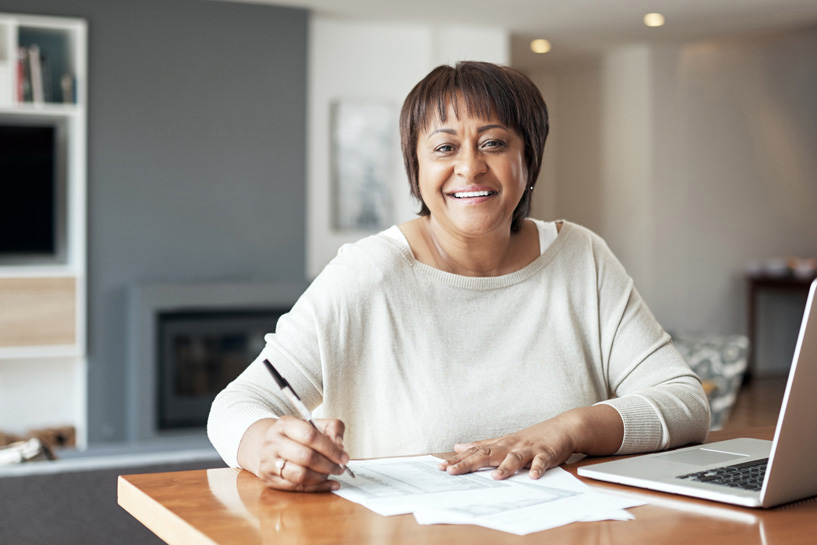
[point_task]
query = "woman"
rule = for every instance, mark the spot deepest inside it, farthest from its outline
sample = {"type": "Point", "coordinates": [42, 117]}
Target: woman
{"type": "Point", "coordinates": [515, 342]}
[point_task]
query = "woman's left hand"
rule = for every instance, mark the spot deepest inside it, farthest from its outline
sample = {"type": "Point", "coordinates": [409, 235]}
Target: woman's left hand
{"type": "Point", "coordinates": [538, 447]}
{"type": "Point", "coordinates": [591, 430]}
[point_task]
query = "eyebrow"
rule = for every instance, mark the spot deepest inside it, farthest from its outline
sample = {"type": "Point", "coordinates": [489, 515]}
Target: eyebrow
{"type": "Point", "coordinates": [479, 129]}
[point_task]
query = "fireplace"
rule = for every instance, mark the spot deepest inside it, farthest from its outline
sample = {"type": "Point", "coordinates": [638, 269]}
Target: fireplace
{"type": "Point", "coordinates": [199, 353]}
{"type": "Point", "coordinates": [188, 341]}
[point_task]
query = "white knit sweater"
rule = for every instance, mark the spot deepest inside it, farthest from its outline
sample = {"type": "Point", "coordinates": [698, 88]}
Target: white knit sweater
{"type": "Point", "coordinates": [414, 359]}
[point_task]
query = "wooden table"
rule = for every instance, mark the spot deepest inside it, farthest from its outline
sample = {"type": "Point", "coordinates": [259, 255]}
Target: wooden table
{"type": "Point", "coordinates": [228, 506]}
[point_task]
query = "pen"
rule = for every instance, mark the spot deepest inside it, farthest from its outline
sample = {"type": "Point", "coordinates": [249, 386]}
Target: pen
{"type": "Point", "coordinates": [293, 397]}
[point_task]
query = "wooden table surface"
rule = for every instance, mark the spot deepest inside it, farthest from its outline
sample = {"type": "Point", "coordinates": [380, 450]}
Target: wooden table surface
{"type": "Point", "coordinates": [229, 506]}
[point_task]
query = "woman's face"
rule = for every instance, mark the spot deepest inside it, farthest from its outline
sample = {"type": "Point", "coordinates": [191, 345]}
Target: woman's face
{"type": "Point", "coordinates": [471, 174]}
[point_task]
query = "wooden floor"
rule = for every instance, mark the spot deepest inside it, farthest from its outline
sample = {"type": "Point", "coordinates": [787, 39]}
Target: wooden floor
{"type": "Point", "coordinates": [758, 404]}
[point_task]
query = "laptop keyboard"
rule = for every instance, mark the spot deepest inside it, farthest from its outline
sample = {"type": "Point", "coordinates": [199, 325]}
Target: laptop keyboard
{"type": "Point", "coordinates": [747, 476]}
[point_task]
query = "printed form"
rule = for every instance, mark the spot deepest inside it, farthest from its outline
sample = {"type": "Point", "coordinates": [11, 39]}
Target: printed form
{"type": "Point", "coordinates": [518, 505]}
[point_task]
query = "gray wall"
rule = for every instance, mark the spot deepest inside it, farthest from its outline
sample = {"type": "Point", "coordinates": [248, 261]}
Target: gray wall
{"type": "Point", "coordinates": [196, 158]}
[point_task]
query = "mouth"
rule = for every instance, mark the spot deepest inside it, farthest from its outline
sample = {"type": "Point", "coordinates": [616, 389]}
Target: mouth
{"type": "Point", "coordinates": [472, 194]}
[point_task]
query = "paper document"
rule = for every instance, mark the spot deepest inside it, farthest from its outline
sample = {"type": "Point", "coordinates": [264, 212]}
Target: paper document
{"type": "Point", "coordinates": [518, 505]}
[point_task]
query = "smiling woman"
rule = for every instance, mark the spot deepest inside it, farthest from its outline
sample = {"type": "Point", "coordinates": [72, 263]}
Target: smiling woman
{"type": "Point", "coordinates": [486, 91]}
{"type": "Point", "coordinates": [473, 139]}
{"type": "Point", "coordinates": [471, 180]}
{"type": "Point", "coordinates": [515, 342]}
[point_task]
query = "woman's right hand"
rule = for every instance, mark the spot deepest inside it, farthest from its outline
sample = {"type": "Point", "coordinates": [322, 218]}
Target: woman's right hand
{"type": "Point", "coordinates": [289, 454]}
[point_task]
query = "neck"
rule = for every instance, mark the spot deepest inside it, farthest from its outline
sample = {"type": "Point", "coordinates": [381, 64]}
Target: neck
{"type": "Point", "coordinates": [492, 254]}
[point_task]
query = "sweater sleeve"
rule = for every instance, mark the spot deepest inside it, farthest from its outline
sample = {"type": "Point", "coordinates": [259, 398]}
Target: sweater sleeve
{"type": "Point", "coordinates": [297, 349]}
{"type": "Point", "coordinates": [251, 397]}
{"type": "Point", "coordinates": [320, 330]}
{"type": "Point", "coordinates": [661, 401]}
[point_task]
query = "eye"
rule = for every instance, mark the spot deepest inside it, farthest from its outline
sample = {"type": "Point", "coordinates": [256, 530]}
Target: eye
{"type": "Point", "coordinates": [493, 144]}
{"type": "Point", "coordinates": [444, 148]}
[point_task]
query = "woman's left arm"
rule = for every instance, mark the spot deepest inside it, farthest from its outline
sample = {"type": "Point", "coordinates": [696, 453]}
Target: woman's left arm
{"type": "Point", "coordinates": [595, 430]}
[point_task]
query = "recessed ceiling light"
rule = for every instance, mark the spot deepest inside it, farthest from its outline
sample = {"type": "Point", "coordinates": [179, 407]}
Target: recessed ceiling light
{"type": "Point", "coordinates": [540, 46]}
{"type": "Point", "coordinates": [654, 19]}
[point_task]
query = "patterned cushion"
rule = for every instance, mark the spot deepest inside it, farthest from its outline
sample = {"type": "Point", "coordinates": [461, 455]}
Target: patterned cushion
{"type": "Point", "coordinates": [720, 361]}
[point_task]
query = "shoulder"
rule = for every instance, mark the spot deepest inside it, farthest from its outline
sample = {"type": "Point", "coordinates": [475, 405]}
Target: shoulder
{"type": "Point", "coordinates": [372, 260]}
{"type": "Point", "coordinates": [580, 233]}
{"type": "Point", "coordinates": [580, 251]}
{"type": "Point", "coordinates": [574, 237]}
{"type": "Point", "coordinates": [378, 253]}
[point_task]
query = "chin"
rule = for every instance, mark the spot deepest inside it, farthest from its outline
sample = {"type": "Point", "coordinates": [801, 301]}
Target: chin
{"type": "Point", "coordinates": [480, 226]}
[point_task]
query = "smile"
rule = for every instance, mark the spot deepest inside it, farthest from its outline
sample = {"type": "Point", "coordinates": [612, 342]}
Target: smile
{"type": "Point", "coordinates": [472, 194]}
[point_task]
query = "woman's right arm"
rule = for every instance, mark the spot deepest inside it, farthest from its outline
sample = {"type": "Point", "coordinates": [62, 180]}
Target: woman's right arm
{"type": "Point", "coordinates": [248, 425]}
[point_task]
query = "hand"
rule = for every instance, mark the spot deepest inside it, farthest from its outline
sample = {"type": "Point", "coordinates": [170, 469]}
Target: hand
{"type": "Point", "coordinates": [596, 430]}
{"type": "Point", "coordinates": [296, 457]}
{"type": "Point", "coordinates": [538, 447]}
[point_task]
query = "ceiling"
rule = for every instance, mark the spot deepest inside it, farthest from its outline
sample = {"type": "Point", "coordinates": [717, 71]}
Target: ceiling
{"type": "Point", "coordinates": [580, 27]}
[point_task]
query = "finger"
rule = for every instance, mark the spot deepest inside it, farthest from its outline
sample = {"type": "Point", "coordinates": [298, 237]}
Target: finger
{"type": "Point", "coordinates": [304, 456]}
{"type": "Point", "coordinates": [299, 475]}
{"type": "Point", "coordinates": [276, 468]}
{"type": "Point", "coordinates": [474, 459]}
{"type": "Point", "coordinates": [302, 432]}
{"type": "Point", "coordinates": [459, 449]}
{"type": "Point", "coordinates": [513, 462]}
{"type": "Point", "coordinates": [333, 429]}
{"type": "Point", "coordinates": [464, 447]}
{"type": "Point", "coordinates": [538, 466]}
{"type": "Point", "coordinates": [452, 460]}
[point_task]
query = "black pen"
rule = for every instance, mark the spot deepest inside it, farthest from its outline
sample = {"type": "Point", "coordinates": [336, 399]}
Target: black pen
{"type": "Point", "coordinates": [293, 397]}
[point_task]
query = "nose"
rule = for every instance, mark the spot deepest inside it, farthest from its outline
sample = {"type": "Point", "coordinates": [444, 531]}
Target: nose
{"type": "Point", "coordinates": [470, 163]}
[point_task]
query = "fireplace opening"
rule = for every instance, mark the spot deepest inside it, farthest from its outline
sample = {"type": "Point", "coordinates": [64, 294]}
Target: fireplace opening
{"type": "Point", "coordinates": [199, 353]}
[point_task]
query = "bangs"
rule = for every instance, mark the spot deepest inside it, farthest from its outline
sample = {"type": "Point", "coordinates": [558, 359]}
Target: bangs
{"type": "Point", "coordinates": [485, 97]}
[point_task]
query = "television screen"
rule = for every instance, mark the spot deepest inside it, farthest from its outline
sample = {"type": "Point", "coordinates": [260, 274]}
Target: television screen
{"type": "Point", "coordinates": [28, 190]}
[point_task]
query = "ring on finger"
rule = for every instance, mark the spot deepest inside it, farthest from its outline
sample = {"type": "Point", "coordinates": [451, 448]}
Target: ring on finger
{"type": "Point", "coordinates": [279, 465]}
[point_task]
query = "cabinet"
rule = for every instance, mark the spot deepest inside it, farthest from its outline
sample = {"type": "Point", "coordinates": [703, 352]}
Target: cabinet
{"type": "Point", "coordinates": [38, 292]}
{"type": "Point", "coordinates": [43, 85]}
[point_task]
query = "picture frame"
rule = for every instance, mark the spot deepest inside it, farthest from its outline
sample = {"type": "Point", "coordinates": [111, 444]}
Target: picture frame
{"type": "Point", "coordinates": [362, 133]}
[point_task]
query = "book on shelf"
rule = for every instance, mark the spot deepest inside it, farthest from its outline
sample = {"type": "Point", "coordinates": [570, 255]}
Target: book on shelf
{"type": "Point", "coordinates": [45, 67]}
{"type": "Point", "coordinates": [34, 78]}
{"type": "Point", "coordinates": [36, 72]}
{"type": "Point", "coordinates": [23, 76]}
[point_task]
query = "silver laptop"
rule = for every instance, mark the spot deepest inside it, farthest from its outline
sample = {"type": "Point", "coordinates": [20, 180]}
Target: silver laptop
{"type": "Point", "coordinates": [748, 472]}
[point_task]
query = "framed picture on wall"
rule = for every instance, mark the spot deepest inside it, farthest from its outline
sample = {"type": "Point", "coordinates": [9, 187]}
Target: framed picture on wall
{"type": "Point", "coordinates": [362, 158]}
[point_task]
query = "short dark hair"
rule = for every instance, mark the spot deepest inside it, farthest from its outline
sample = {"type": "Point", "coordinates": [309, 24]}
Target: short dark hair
{"type": "Point", "coordinates": [488, 89]}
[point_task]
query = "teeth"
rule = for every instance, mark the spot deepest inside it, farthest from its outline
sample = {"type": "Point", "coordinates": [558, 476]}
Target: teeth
{"type": "Point", "coordinates": [467, 194]}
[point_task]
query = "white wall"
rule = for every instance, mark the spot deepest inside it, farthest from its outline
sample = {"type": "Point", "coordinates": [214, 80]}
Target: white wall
{"type": "Point", "coordinates": [627, 151]}
{"type": "Point", "coordinates": [691, 161]}
{"type": "Point", "coordinates": [545, 196]}
{"type": "Point", "coordinates": [379, 62]}
{"type": "Point", "coordinates": [748, 118]}
{"type": "Point", "coordinates": [43, 393]}
{"type": "Point", "coordinates": [601, 153]}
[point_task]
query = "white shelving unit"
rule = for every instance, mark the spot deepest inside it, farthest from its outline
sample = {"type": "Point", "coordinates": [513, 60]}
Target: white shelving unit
{"type": "Point", "coordinates": [46, 365]}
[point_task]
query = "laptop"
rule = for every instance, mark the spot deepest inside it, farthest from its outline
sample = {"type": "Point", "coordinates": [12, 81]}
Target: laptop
{"type": "Point", "coordinates": [747, 472]}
